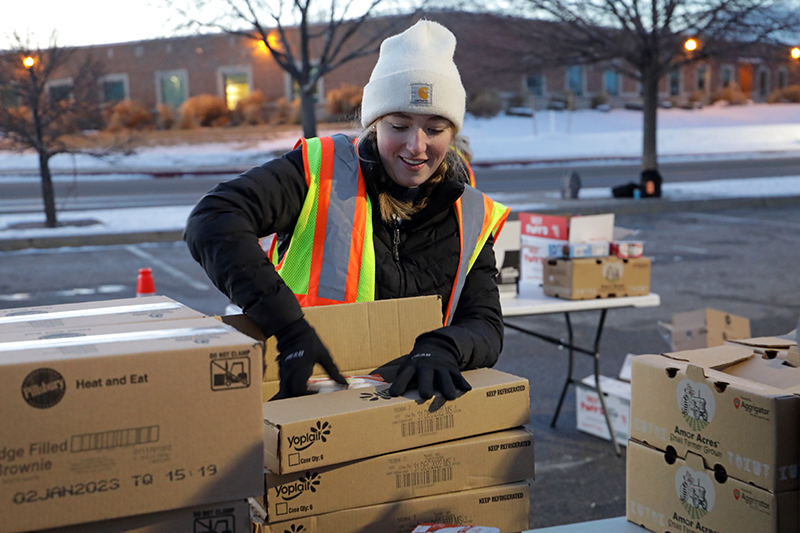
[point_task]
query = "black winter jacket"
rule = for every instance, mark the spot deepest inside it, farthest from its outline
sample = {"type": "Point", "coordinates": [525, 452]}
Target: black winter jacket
{"type": "Point", "coordinates": [420, 257]}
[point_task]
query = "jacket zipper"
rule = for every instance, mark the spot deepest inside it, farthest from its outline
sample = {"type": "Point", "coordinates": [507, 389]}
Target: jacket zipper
{"type": "Point", "coordinates": [396, 241]}
{"type": "Point", "coordinates": [396, 255]}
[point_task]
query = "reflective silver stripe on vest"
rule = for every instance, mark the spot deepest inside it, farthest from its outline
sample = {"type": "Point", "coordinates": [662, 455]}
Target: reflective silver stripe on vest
{"type": "Point", "coordinates": [341, 215]}
{"type": "Point", "coordinates": [472, 213]}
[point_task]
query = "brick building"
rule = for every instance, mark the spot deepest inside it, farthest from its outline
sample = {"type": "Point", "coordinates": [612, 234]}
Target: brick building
{"type": "Point", "coordinates": [491, 55]}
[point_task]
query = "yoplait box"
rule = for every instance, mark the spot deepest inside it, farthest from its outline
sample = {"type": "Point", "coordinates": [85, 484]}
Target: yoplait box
{"type": "Point", "coordinates": [474, 462]}
{"type": "Point", "coordinates": [319, 430]}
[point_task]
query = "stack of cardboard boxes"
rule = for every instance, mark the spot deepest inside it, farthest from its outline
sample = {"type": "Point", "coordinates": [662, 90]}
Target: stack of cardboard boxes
{"type": "Point", "coordinates": [714, 439]}
{"type": "Point", "coordinates": [360, 460]}
{"type": "Point", "coordinates": [580, 258]}
{"type": "Point", "coordinates": [128, 416]}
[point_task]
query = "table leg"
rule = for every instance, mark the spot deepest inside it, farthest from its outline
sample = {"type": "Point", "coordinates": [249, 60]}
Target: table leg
{"type": "Point", "coordinates": [597, 381]}
{"type": "Point", "coordinates": [570, 345]}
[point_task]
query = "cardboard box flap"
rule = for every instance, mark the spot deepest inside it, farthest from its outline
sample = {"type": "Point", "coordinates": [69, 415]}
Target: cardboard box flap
{"type": "Point", "coordinates": [717, 358]}
{"type": "Point", "coordinates": [591, 228]}
{"type": "Point", "coordinates": [772, 343]}
{"type": "Point", "coordinates": [358, 335]}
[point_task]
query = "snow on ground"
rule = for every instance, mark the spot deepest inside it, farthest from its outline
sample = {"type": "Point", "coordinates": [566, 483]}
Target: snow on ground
{"type": "Point", "coordinates": [757, 130]}
{"type": "Point", "coordinates": [732, 131]}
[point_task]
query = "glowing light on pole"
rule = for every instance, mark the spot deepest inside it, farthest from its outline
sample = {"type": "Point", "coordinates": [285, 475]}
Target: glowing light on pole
{"type": "Point", "coordinates": [795, 53]}
{"type": "Point", "coordinates": [28, 62]}
{"type": "Point", "coordinates": [690, 45]}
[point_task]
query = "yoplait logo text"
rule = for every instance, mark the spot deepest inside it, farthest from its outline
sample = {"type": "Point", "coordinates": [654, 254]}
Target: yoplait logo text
{"type": "Point", "coordinates": [318, 432]}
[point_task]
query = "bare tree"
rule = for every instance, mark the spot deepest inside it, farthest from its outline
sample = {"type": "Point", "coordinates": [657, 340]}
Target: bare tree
{"type": "Point", "coordinates": [644, 39]}
{"type": "Point", "coordinates": [36, 114]}
{"type": "Point", "coordinates": [305, 38]}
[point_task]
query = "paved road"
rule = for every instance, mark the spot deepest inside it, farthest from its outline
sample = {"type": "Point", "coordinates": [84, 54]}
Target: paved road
{"type": "Point", "coordinates": [19, 197]}
{"type": "Point", "coordinates": [742, 261]}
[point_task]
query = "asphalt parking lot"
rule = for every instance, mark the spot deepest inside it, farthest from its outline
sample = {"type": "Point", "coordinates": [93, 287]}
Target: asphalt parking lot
{"type": "Point", "coordinates": [743, 261]}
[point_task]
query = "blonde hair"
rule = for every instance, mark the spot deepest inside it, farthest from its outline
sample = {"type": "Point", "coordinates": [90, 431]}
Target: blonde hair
{"type": "Point", "coordinates": [452, 168]}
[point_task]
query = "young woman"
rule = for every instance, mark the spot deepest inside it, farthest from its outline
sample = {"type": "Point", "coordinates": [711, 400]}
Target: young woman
{"type": "Point", "coordinates": [388, 215]}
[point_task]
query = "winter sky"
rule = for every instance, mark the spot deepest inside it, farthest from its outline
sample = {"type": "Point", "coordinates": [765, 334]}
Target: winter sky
{"type": "Point", "coordinates": [83, 22]}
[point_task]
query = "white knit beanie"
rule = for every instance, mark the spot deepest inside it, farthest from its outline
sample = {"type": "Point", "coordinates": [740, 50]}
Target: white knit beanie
{"type": "Point", "coordinates": [415, 73]}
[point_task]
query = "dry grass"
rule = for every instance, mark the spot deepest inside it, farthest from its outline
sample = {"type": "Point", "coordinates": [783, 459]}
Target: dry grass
{"type": "Point", "coordinates": [243, 134]}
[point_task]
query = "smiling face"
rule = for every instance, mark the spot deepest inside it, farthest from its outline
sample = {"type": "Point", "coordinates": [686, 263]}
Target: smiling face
{"type": "Point", "coordinates": [412, 146]}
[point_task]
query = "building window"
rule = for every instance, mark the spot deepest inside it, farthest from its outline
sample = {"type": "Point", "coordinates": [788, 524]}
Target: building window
{"type": "Point", "coordinates": [138, 51]}
{"type": "Point", "coordinates": [575, 80]}
{"type": "Point", "coordinates": [611, 82]}
{"type": "Point", "coordinates": [58, 90]}
{"type": "Point", "coordinates": [114, 87]}
{"type": "Point", "coordinates": [674, 82]}
{"type": "Point", "coordinates": [783, 78]}
{"type": "Point", "coordinates": [535, 83]}
{"type": "Point", "coordinates": [701, 78]}
{"type": "Point", "coordinates": [763, 82]}
{"type": "Point", "coordinates": [172, 87]}
{"type": "Point", "coordinates": [234, 83]}
{"type": "Point", "coordinates": [726, 76]}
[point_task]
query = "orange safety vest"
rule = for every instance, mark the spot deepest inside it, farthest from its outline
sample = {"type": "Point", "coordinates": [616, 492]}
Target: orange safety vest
{"type": "Point", "coordinates": [331, 256]}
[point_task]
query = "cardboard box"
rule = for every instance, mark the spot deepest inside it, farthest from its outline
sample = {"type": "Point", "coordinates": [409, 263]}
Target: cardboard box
{"type": "Point", "coordinates": [704, 328]}
{"type": "Point", "coordinates": [543, 236]}
{"type": "Point", "coordinates": [531, 260]}
{"type": "Point", "coordinates": [503, 506]}
{"type": "Point", "coordinates": [360, 336]}
{"type": "Point", "coordinates": [229, 517]}
{"type": "Point", "coordinates": [493, 459]}
{"type": "Point", "coordinates": [129, 419]}
{"type": "Point", "coordinates": [735, 408]}
{"type": "Point", "coordinates": [669, 494]}
{"type": "Point", "coordinates": [585, 279]}
{"type": "Point", "coordinates": [589, 410]}
{"type": "Point", "coordinates": [326, 429]}
{"type": "Point", "coordinates": [577, 251]}
{"type": "Point", "coordinates": [124, 311]}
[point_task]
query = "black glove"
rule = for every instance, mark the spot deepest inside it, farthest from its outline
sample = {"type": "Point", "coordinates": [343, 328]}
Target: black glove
{"type": "Point", "coordinates": [435, 366]}
{"type": "Point", "coordinates": [299, 349]}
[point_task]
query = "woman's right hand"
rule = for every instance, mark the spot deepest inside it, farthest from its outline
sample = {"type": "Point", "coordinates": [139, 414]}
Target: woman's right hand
{"type": "Point", "coordinates": [300, 348]}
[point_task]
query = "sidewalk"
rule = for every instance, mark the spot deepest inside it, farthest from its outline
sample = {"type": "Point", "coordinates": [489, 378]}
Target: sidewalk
{"type": "Point", "coordinates": [160, 224]}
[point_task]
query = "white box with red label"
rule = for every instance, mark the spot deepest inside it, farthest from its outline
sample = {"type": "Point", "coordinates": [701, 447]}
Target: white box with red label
{"type": "Point", "coordinates": [589, 411]}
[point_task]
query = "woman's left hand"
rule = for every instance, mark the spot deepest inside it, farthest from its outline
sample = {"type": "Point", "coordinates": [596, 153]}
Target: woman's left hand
{"type": "Point", "coordinates": [435, 369]}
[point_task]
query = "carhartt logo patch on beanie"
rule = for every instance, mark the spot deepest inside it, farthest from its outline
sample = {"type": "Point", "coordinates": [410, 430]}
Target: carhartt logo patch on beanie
{"type": "Point", "coordinates": [415, 73]}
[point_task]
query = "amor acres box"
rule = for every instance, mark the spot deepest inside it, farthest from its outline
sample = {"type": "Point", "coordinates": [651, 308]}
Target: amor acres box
{"type": "Point", "coordinates": [732, 406]}
{"type": "Point", "coordinates": [127, 420]}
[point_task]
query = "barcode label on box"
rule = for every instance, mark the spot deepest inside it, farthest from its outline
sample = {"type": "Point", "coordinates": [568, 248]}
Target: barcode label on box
{"type": "Point", "coordinates": [428, 425]}
{"type": "Point", "coordinates": [114, 439]}
{"type": "Point", "coordinates": [427, 477]}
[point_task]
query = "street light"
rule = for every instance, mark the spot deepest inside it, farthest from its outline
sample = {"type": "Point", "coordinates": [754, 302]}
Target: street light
{"type": "Point", "coordinates": [690, 45]}
{"type": "Point", "coordinates": [795, 53]}
{"type": "Point", "coordinates": [28, 62]}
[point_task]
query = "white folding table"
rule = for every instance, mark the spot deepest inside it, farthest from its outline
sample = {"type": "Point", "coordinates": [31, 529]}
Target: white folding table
{"type": "Point", "coordinates": [532, 301]}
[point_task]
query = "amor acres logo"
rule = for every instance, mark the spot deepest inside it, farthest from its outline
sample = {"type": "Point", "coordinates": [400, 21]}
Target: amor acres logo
{"type": "Point", "coordinates": [695, 490]}
{"type": "Point", "coordinates": [696, 403]}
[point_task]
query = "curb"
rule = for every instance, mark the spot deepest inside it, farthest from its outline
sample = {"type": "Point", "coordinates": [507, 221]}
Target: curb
{"type": "Point", "coordinates": [76, 241]}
